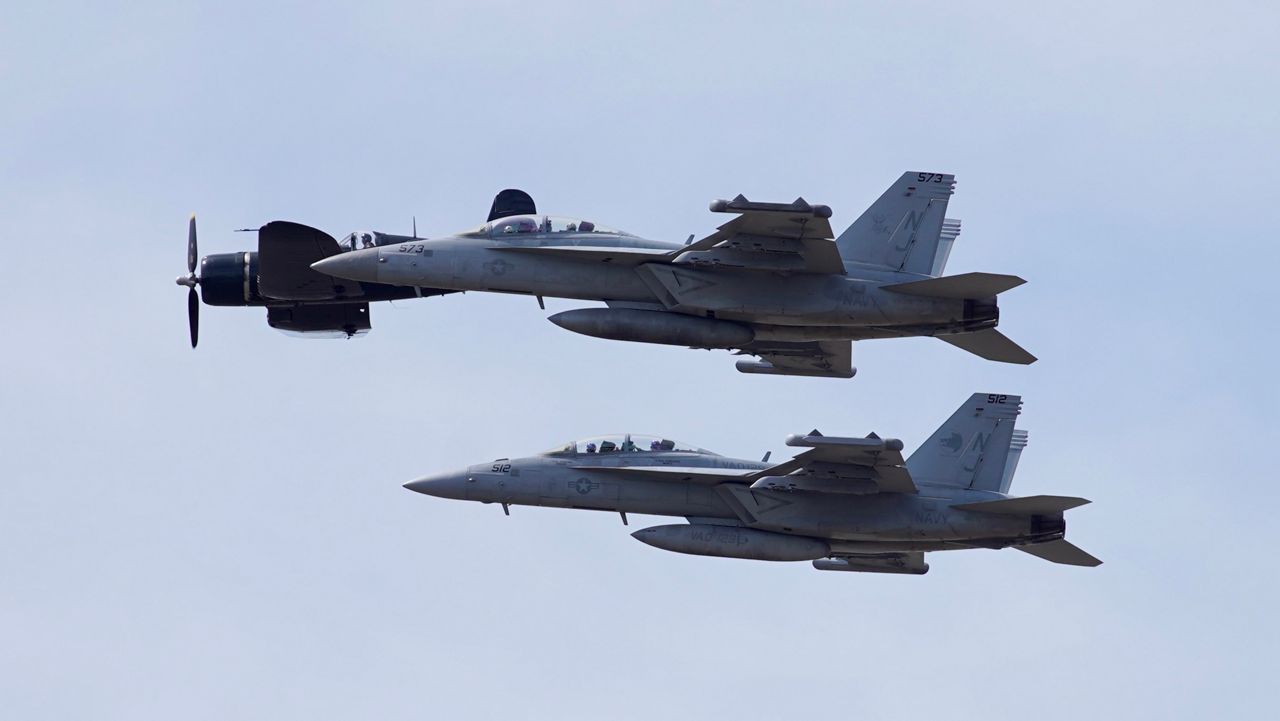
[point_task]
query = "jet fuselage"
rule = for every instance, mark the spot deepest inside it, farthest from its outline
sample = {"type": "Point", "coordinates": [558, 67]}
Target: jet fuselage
{"type": "Point", "coordinates": [877, 522]}
{"type": "Point", "coordinates": [469, 264]}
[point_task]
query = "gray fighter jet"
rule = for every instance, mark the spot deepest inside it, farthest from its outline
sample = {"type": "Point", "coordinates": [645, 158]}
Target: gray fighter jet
{"type": "Point", "coordinates": [770, 282]}
{"type": "Point", "coordinates": [847, 504]}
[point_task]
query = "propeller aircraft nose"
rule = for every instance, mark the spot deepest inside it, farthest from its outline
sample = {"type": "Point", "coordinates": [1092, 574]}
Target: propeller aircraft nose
{"type": "Point", "coordinates": [359, 265]}
{"type": "Point", "coordinates": [191, 280]}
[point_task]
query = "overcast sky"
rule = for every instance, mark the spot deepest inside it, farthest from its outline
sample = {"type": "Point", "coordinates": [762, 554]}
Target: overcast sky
{"type": "Point", "coordinates": [222, 534]}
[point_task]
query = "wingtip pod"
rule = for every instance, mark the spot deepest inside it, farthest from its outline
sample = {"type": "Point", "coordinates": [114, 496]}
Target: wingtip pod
{"type": "Point", "coordinates": [740, 204]}
{"type": "Point", "coordinates": [870, 443]}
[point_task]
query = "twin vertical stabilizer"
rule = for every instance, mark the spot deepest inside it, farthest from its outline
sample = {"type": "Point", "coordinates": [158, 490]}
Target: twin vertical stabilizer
{"type": "Point", "coordinates": [971, 450]}
{"type": "Point", "coordinates": [907, 229]}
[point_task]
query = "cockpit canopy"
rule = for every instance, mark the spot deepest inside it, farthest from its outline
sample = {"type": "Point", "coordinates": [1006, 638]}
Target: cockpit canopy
{"type": "Point", "coordinates": [364, 239]}
{"type": "Point", "coordinates": [540, 224]}
{"type": "Point", "coordinates": [626, 443]}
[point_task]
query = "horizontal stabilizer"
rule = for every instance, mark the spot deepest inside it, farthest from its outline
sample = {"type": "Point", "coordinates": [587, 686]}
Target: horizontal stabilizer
{"type": "Point", "coordinates": [990, 344]}
{"type": "Point", "coordinates": [1060, 551]}
{"type": "Point", "coordinates": [1025, 506]}
{"type": "Point", "coordinates": [959, 287]}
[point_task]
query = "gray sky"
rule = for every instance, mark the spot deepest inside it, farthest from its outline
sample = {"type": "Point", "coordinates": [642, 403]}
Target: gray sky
{"type": "Point", "coordinates": [222, 534]}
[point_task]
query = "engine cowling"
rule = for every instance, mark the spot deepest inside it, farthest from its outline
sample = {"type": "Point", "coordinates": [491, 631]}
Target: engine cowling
{"type": "Point", "coordinates": [230, 279]}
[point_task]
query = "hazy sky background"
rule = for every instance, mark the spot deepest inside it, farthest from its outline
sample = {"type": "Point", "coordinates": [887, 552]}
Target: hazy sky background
{"type": "Point", "coordinates": [222, 533]}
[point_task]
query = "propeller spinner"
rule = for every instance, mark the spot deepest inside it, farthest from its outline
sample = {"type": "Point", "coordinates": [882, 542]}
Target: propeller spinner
{"type": "Point", "coordinates": [190, 280]}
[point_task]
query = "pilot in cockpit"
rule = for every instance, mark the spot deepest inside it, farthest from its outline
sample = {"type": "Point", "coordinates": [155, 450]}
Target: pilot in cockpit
{"type": "Point", "coordinates": [591, 448]}
{"type": "Point", "coordinates": [520, 225]}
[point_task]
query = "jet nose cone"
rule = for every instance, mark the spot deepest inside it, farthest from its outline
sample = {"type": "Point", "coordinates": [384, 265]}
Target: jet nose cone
{"type": "Point", "coordinates": [441, 485]}
{"type": "Point", "coordinates": [361, 265]}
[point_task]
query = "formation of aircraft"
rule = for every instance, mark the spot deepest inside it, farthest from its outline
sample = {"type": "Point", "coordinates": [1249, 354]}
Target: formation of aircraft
{"type": "Point", "coordinates": [846, 504]}
{"type": "Point", "coordinates": [773, 282]}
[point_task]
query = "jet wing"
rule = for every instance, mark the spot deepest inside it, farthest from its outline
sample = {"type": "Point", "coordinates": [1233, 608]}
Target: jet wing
{"type": "Point", "coordinates": [781, 237]}
{"type": "Point", "coordinates": [823, 359]}
{"type": "Point", "coordinates": [784, 237]}
{"type": "Point", "coordinates": [840, 465]}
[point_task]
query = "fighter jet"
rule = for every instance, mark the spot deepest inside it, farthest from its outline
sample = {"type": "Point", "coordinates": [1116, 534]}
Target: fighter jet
{"type": "Point", "coordinates": [846, 504]}
{"type": "Point", "coordinates": [773, 282]}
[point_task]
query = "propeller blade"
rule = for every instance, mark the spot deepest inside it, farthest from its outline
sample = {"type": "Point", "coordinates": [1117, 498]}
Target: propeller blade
{"type": "Point", "coordinates": [191, 245]}
{"type": "Point", "coordinates": [193, 315]}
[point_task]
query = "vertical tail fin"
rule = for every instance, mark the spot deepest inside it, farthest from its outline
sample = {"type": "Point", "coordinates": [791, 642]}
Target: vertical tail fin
{"type": "Point", "coordinates": [904, 229]}
{"type": "Point", "coordinates": [974, 448]}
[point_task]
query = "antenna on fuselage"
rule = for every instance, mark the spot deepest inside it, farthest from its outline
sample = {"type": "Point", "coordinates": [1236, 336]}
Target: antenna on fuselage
{"type": "Point", "coordinates": [415, 227]}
